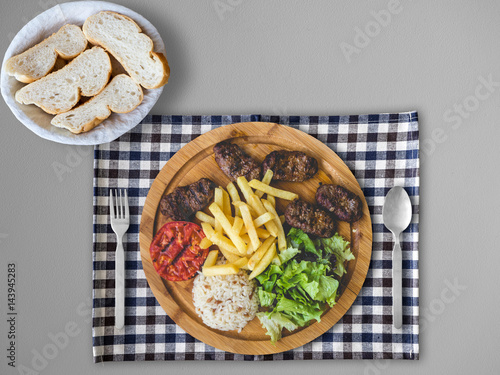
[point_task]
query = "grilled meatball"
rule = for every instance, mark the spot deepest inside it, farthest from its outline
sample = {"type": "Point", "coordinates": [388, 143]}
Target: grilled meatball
{"type": "Point", "coordinates": [311, 219]}
{"type": "Point", "coordinates": [234, 162]}
{"type": "Point", "coordinates": [186, 200]}
{"type": "Point", "coordinates": [290, 165]}
{"type": "Point", "coordinates": [342, 203]}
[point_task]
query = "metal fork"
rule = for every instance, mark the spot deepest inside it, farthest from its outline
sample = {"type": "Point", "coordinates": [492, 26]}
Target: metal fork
{"type": "Point", "coordinates": [120, 221]}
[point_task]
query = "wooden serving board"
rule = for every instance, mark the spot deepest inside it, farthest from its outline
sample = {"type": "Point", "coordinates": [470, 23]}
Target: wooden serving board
{"type": "Point", "coordinates": [196, 160]}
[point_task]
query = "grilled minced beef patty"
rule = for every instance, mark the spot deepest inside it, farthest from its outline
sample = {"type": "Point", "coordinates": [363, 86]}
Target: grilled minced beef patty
{"type": "Point", "coordinates": [234, 162]}
{"type": "Point", "coordinates": [342, 203]}
{"type": "Point", "coordinates": [310, 219]}
{"type": "Point", "coordinates": [186, 200]}
{"type": "Point", "coordinates": [294, 166]}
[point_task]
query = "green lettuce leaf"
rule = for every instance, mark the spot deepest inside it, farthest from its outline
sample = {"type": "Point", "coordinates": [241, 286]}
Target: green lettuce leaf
{"type": "Point", "coordinates": [274, 323]}
{"type": "Point", "coordinates": [288, 254]}
{"type": "Point", "coordinates": [327, 290]}
{"type": "Point", "coordinates": [340, 248]}
{"type": "Point", "coordinates": [298, 294]}
{"type": "Point", "coordinates": [265, 298]}
{"type": "Point", "coordinates": [308, 312]}
{"type": "Point", "coordinates": [268, 278]}
{"type": "Point", "coordinates": [298, 237]}
{"type": "Point", "coordinates": [311, 287]}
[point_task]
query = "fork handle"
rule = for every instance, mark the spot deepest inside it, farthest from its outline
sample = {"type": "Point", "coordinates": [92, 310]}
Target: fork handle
{"type": "Point", "coordinates": [119, 285]}
{"type": "Point", "coordinates": [397, 284]}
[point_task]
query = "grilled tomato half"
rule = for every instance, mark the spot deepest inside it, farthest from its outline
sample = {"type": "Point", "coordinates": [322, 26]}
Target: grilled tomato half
{"type": "Point", "coordinates": [175, 250]}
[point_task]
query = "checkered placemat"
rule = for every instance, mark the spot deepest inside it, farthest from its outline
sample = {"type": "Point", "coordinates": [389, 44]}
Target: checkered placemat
{"type": "Point", "coordinates": [381, 150]}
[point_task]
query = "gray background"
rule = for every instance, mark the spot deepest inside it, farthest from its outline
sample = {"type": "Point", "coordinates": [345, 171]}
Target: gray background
{"type": "Point", "coordinates": [285, 57]}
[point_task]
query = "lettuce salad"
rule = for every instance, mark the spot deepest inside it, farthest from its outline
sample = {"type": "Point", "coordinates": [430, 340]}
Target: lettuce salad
{"type": "Point", "coordinates": [298, 291]}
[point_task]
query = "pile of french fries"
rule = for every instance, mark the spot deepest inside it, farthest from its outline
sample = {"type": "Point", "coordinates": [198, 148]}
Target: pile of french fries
{"type": "Point", "coordinates": [249, 233]}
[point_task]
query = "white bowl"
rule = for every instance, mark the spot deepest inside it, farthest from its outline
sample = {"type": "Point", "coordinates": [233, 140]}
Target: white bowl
{"type": "Point", "coordinates": [43, 26]}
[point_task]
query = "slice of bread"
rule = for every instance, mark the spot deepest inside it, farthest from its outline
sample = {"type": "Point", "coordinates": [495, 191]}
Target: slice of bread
{"type": "Point", "coordinates": [39, 60]}
{"type": "Point", "coordinates": [60, 91]}
{"type": "Point", "coordinates": [123, 39]}
{"type": "Point", "coordinates": [121, 95]}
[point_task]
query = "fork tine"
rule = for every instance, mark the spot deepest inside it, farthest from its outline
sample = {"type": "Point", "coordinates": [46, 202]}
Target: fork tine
{"type": "Point", "coordinates": [126, 204]}
{"type": "Point", "coordinates": [120, 203]}
{"type": "Point", "coordinates": [111, 204]}
{"type": "Point", "coordinates": [116, 204]}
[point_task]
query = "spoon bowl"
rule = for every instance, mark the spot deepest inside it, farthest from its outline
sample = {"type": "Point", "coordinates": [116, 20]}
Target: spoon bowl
{"type": "Point", "coordinates": [396, 215]}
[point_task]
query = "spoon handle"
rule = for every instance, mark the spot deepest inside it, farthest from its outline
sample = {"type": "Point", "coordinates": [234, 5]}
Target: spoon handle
{"type": "Point", "coordinates": [397, 284]}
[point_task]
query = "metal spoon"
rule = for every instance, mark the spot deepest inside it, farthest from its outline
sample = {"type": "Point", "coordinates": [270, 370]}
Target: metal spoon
{"type": "Point", "coordinates": [396, 214]}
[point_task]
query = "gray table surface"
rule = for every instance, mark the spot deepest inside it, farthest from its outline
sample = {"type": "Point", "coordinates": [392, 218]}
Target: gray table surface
{"type": "Point", "coordinates": [284, 57]}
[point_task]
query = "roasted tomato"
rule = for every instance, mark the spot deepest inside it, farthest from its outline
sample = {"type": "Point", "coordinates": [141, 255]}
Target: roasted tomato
{"type": "Point", "coordinates": [176, 252]}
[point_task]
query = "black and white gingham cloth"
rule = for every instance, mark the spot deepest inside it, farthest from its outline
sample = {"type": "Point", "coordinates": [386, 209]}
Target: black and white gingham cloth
{"type": "Point", "coordinates": [381, 150]}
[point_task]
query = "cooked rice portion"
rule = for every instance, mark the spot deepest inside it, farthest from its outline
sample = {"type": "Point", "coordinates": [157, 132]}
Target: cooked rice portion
{"type": "Point", "coordinates": [225, 302]}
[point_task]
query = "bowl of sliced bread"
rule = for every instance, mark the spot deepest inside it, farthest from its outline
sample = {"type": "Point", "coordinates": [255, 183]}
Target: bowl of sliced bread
{"type": "Point", "coordinates": [84, 72]}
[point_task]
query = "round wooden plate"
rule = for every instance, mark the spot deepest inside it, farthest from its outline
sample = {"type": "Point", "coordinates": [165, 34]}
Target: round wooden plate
{"type": "Point", "coordinates": [196, 160]}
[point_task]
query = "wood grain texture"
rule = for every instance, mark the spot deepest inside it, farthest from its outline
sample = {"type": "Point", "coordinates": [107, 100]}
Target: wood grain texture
{"type": "Point", "coordinates": [196, 160]}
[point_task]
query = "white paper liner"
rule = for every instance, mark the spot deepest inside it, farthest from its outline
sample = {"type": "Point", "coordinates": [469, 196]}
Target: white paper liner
{"type": "Point", "coordinates": [43, 26]}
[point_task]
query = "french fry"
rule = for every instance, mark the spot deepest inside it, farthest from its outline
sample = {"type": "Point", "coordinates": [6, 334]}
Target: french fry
{"type": "Point", "coordinates": [256, 204]}
{"type": "Point", "coordinates": [281, 232]}
{"type": "Point", "coordinates": [220, 202]}
{"type": "Point", "coordinates": [227, 203]}
{"type": "Point", "coordinates": [225, 246]}
{"type": "Point", "coordinates": [247, 219]}
{"type": "Point", "coordinates": [262, 219]}
{"type": "Point", "coordinates": [257, 256]}
{"type": "Point", "coordinates": [203, 217]}
{"type": "Point", "coordinates": [246, 190]}
{"type": "Point", "coordinates": [241, 263]}
{"type": "Point", "coordinates": [238, 225]}
{"type": "Point", "coordinates": [262, 233]}
{"type": "Point", "coordinates": [264, 262]}
{"type": "Point", "coordinates": [252, 211]}
{"type": "Point", "coordinates": [250, 248]}
{"type": "Point", "coordinates": [259, 207]}
{"type": "Point", "coordinates": [235, 196]}
{"type": "Point", "coordinates": [231, 258]}
{"type": "Point", "coordinates": [224, 243]}
{"type": "Point", "coordinates": [246, 238]}
{"type": "Point", "coordinates": [282, 219]}
{"type": "Point", "coordinates": [205, 243]}
{"type": "Point", "coordinates": [218, 197]}
{"type": "Point", "coordinates": [207, 229]}
{"type": "Point", "coordinates": [222, 269]}
{"type": "Point", "coordinates": [211, 258]}
{"type": "Point", "coordinates": [283, 194]}
{"type": "Point", "coordinates": [243, 230]}
{"type": "Point", "coordinates": [271, 199]}
{"type": "Point", "coordinates": [268, 176]}
{"type": "Point", "coordinates": [226, 225]}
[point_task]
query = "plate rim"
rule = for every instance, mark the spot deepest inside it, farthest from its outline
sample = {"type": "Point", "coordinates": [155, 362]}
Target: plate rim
{"type": "Point", "coordinates": [204, 333]}
{"type": "Point", "coordinates": [123, 122]}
